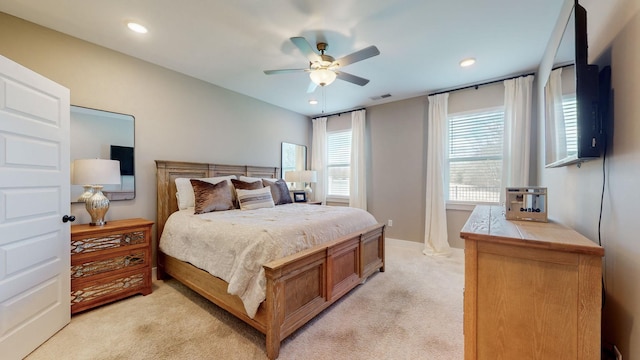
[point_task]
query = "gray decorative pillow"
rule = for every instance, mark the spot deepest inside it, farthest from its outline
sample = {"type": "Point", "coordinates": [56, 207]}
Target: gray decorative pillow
{"type": "Point", "coordinates": [255, 199]}
{"type": "Point", "coordinates": [211, 197]}
{"type": "Point", "coordinates": [279, 191]}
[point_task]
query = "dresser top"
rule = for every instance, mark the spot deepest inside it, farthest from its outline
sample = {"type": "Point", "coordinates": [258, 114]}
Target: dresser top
{"type": "Point", "coordinates": [488, 223]}
{"type": "Point", "coordinates": [113, 225]}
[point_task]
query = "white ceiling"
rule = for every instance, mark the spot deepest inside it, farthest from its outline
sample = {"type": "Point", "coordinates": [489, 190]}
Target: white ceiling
{"type": "Point", "coordinates": [230, 43]}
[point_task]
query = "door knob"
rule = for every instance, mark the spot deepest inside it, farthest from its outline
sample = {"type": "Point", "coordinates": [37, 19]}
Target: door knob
{"type": "Point", "coordinates": [68, 218]}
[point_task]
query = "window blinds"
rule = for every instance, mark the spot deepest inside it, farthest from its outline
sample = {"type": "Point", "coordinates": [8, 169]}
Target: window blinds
{"type": "Point", "coordinates": [338, 163]}
{"type": "Point", "coordinates": [570, 122]}
{"type": "Point", "coordinates": [475, 156]}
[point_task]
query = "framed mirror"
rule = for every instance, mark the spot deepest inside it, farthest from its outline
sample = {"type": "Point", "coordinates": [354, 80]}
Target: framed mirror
{"type": "Point", "coordinates": [294, 158]}
{"type": "Point", "coordinates": [99, 134]}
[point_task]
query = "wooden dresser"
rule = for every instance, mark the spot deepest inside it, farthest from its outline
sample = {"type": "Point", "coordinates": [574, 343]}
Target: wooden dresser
{"type": "Point", "coordinates": [532, 290]}
{"type": "Point", "coordinates": [109, 262]}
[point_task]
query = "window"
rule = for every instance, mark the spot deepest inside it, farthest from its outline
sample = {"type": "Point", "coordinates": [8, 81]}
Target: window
{"type": "Point", "coordinates": [338, 163]}
{"type": "Point", "coordinates": [570, 122]}
{"type": "Point", "coordinates": [474, 156]}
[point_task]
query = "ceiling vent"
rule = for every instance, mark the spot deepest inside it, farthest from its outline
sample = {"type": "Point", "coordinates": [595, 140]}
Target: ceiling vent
{"type": "Point", "coordinates": [384, 96]}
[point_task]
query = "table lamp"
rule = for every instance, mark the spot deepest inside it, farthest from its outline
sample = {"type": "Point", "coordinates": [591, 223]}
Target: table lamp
{"type": "Point", "coordinates": [308, 177]}
{"type": "Point", "coordinates": [96, 173]}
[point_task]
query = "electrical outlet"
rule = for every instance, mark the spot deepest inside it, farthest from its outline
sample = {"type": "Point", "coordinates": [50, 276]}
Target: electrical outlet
{"type": "Point", "coordinates": [390, 223]}
{"type": "Point", "coordinates": [618, 355]}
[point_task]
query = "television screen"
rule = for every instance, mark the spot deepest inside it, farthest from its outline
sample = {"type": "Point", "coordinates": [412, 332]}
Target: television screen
{"type": "Point", "coordinates": [124, 154]}
{"type": "Point", "coordinates": [573, 128]}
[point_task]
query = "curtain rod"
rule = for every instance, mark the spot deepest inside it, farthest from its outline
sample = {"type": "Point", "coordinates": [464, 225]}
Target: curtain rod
{"type": "Point", "coordinates": [481, 84]}
{"type": "Point", "coordinates": [338, 114]}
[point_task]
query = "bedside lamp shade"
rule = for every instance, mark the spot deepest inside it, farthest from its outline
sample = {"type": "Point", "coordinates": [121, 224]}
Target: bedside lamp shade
{"type": "Point", "coordinates": [293, 177]}
{"type": "Point", "coordinates": [95, 173]}
{"type": "Point", "coordinates": [309, 176]}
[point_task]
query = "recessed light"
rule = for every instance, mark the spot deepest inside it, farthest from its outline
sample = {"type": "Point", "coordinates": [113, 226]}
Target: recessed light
{"type": "Point", "coordinates": [136, 27]}
{"type": "Point", "coordinates": [313, 102]}
{"type": "Point", "coordinates": [467, 62]}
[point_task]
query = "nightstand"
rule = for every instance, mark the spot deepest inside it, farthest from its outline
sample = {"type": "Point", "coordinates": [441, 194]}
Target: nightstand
{"type": "Point", "coordinates": [109, 262]}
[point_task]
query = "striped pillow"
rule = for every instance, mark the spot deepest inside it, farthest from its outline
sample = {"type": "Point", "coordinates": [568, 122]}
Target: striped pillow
{"type": "Point", "coordinates": [255, 199]}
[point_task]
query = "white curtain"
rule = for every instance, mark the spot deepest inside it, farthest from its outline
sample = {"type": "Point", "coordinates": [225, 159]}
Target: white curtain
{"type": "Point", "coordinates": [358, 169]}
{"type": "Point", "coordinates": [319, 158]}
{"type": "Point", "coordinates": [436, 241]}
{"type": "Point", "coordinates": [555, 132]}
{"type": "Point", "coordinates": [517, 132]}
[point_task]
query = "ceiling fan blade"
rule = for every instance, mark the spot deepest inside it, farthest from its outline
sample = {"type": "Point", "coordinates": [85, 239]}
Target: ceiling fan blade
{"type": "Point", "coordinates": [352, 78]}
{"type": "Point", "coordinates": [360, 55]}
{"type": "Point", "coordinates": [312, 87]}
{"type": "Point", "coordinates": [283, 71]}
{"type": "Point", "coordinates": [305, 48]}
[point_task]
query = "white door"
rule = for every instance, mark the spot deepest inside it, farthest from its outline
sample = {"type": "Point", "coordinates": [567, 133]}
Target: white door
{"type": "Point", "coordinates": [34, 196]}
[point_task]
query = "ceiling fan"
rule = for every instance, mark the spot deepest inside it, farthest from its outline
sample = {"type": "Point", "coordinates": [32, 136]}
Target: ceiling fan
{"type": "Point", "coordinates": [324, 69]}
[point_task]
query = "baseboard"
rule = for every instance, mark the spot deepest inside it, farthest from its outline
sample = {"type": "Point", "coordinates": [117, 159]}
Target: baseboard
{"type": "Point", "coordinates": [404, 243]}
{"type": "Point", "coordinates": [412, 245]}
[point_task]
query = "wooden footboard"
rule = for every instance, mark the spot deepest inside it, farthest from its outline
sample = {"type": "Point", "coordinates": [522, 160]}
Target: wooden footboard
{"type": "Point", "coordinates": [299, 286]}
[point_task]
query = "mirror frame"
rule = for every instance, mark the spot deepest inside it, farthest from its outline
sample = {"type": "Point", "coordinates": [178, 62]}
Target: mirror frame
{"type": "Point", "coordinates": [87, 125]}
{"type": "Point", "coordinates": [292, 157]}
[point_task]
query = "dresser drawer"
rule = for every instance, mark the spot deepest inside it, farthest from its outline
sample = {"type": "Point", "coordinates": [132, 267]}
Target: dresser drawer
{"type": "Point", "coordinates": [91, 243]}
{"type": "Point", "coordinates": [87, 266]}
{"type": "Point", "coordinates": [88, 293]}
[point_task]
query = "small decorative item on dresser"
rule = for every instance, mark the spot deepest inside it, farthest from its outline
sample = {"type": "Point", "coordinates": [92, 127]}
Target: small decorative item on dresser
{"type": "Point", "coordinates": [299, 196]}
{"type": "Point", "coordinates": [526, 203]}
{"type": "Point", "coordinates": [109, 262]}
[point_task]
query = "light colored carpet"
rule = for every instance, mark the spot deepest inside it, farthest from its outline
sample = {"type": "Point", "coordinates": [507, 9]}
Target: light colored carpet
{"type": "Point", "coordinates": [411, 311]}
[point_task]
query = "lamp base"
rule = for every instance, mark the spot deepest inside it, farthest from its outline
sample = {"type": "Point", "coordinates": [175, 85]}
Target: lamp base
{"type": "Point", "coordinates": [308, 191]}
{"type": "Point", "coordinates": [88, 192]}
{"type": "Point", "coordinates": [97, 206]}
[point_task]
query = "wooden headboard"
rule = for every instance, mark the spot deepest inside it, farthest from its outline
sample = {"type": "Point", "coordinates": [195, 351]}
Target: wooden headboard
{"type": "Point", "coordinates": [168, 171]}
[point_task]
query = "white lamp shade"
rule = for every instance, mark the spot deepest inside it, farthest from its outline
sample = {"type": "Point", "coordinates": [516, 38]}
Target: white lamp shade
{"type": "Point", "coordinates": [309, 176]}
{"type": "Point", "coordinates": [322, 77]}
{"type": "Point", "coordinates": [95, 172]}
{"type": "Point", "coordinates": [292, 176]}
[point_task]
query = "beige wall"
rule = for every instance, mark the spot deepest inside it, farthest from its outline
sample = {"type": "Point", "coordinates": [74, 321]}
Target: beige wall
{"type": "Point", "coordinates": [396, 168]}
{"type": "Point", "coordinates": [574, 193]}
{"type": "Point", "coordinates": [176, 117]}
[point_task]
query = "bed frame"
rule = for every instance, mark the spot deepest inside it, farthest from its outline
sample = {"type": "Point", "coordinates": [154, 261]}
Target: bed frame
{"type": "Point", "coordinates": [299, 286]}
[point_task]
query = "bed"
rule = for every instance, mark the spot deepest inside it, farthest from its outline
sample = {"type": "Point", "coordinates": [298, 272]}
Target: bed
{"type": "Point", "coordinates": [298, 286]}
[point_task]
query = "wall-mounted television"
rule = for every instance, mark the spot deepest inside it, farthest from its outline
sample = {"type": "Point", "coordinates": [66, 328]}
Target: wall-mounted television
{"type": "Point", "coordinates": [573, 123]}
{"type": "Point", "coordinates": [124, 154]}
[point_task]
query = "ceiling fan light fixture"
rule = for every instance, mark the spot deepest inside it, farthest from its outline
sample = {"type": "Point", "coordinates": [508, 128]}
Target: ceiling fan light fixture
{"type": "Point", "coordinates": [322, 77]}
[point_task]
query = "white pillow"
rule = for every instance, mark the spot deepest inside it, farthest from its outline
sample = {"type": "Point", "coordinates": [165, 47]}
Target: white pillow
{"type": "Point", "coordinates": [253, 179]}
{"type": "Point", "coordinates": [255, 199]}
{"type": "Point", "coordinates": [184, 190]}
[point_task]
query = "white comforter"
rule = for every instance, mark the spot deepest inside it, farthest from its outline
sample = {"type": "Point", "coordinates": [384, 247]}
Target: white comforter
{"type": "Point", "coordinates": [233, 245]}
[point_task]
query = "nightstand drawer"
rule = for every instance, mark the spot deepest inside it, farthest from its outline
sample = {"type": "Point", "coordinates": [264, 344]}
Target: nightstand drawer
{"type": "Point", "coordinates": [90, 243]}
{"type": "Point", "coordinates": [86, 266]}
{"type": "Point", "coordinates": [89, 293]}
